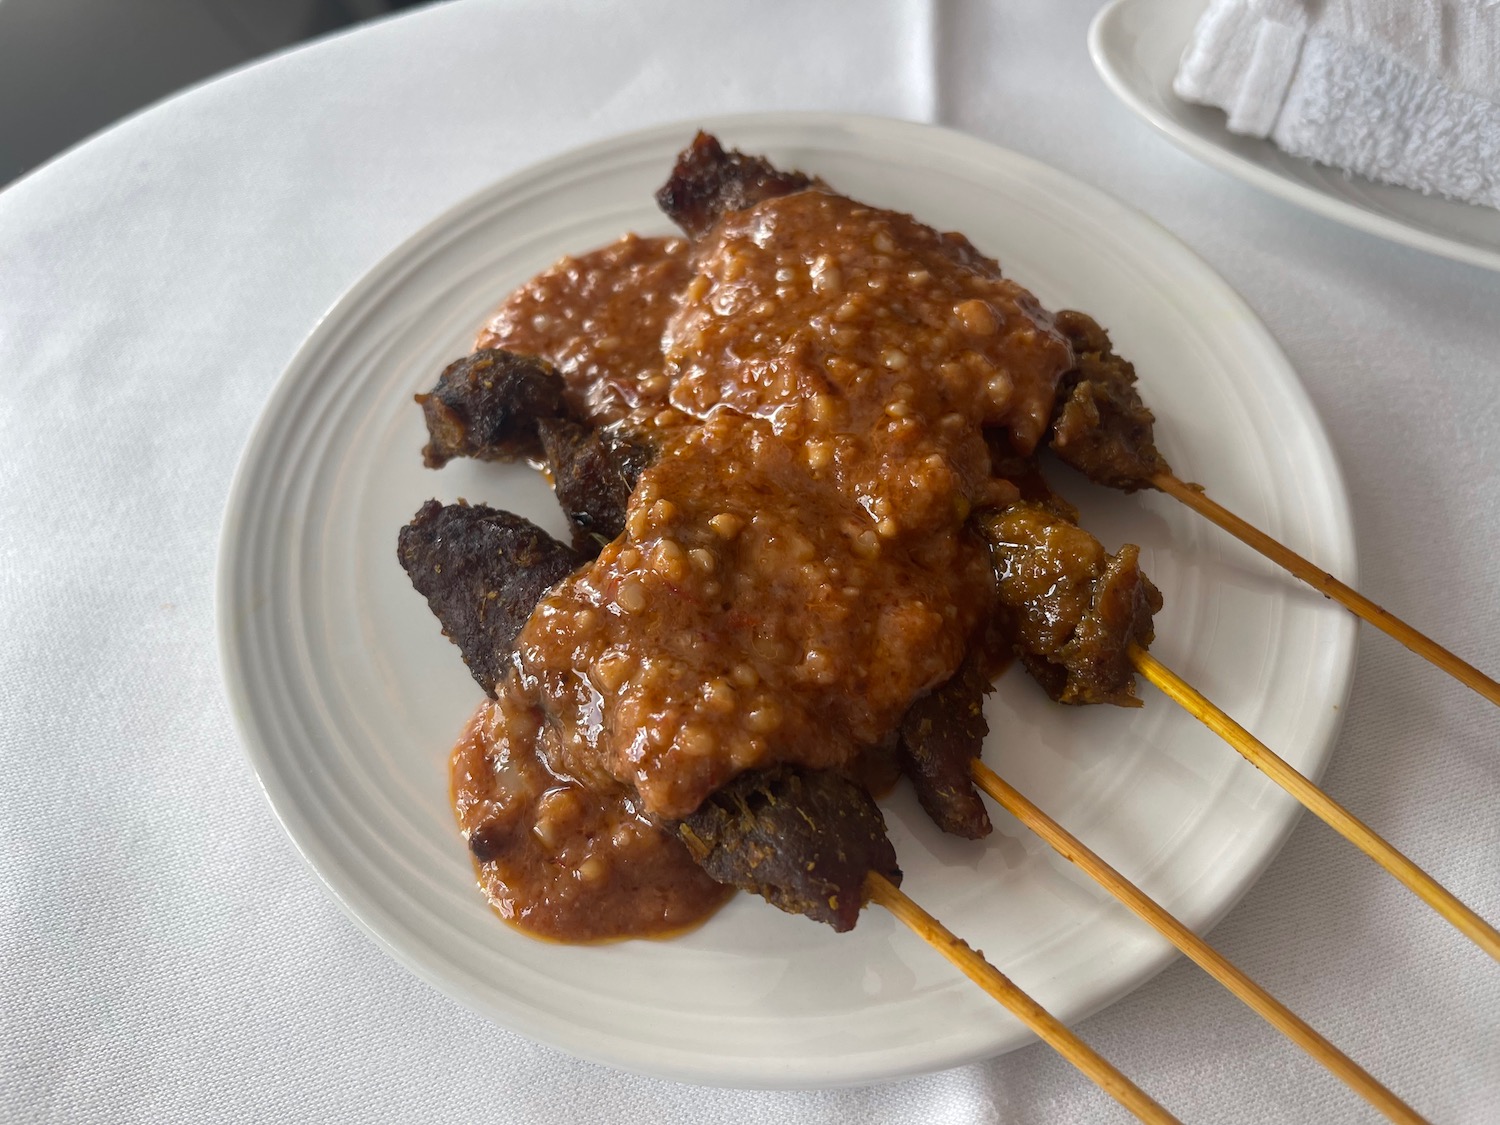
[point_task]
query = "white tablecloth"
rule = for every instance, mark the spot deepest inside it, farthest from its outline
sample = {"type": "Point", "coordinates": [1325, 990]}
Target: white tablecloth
{"type": "Point", "coordinates": [165, 956]}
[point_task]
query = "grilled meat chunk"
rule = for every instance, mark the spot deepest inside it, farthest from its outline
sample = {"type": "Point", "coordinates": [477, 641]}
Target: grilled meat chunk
{"type": "Point", "coordinates": [1100, 425]}
{"type": "Point", "coordinates": [487, 406]}
{"type": "Point", "coordinates": [707, 182]}
{"type": "Point", "coordinates": [941, 734]}
{"type": "Point", "coordinates": [593, 472]}
{"type": "Point", "coordinates": [481, 571]}
{"type": "Point", "coordinates": [805, 839]}
{"type": "Point", "coordinates": [802, 839]}
{"type": "Point", "coordinates": [1071, 609]}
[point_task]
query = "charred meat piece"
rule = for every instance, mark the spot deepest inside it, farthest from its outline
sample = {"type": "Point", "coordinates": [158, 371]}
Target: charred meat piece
{"type": "Point", "coordinates": [487, 405]}
{"type": "Point", "coordinates": [593, 472]}
{"type": "Point", "coordinates": [1070, 608]}
{"type": "Point", "coordinates": [481, 571]}
{"type": "Point", "coordinates": [1100, 426]}
{"type": "Point", "coordinates": [707, 182]}
{"type": "Point", "coordinates": [802, 839]}
{"type": "Point", "coordinates": [941, 734]}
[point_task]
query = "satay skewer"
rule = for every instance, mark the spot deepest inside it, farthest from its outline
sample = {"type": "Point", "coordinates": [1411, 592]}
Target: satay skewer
{"type": "Point", "coordinates": [814, 842]}
{"type": "Point", "coordinates": [1423, 885]}
{"type": "Point", "coordinates": [1277, 1014]}
{"type": "Point", "coordinates": [1329, 586]}
{"type": "Point", "coordinates": [1059, 1037]}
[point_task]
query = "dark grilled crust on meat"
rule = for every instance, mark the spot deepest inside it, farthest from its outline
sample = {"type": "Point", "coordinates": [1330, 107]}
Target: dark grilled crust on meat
{"type": "Point", "coordinates": [707, 182]}
{"type": "Point", "coordinates": [802, 839]}
{"type": "Point", "coordinates": [487, 406]}
{"type": "Point", "coordinates": [1070, 609]}
{"type": "Point", "coordinates": [942, 733]}
{"type": "Point", "coordinates": [482, 572]}
{"type": "Point", "coordinates": [1100, 425]}
{"type": "Point", "coordinates": [593, 473]}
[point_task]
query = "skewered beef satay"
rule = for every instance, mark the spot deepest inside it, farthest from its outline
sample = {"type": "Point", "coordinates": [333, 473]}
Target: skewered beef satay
{"type": "Point", "coordinates": [593, 473]}
{"type": "Point", "coordinates": [946, 728]}
{"type": "Point", "coordinates": [804, 840]}
{"type": "Point", "coordinates": [855, 863]}
{"type": "Point", "coordinates": [1103, 428]}
{"type": "Point", "coordinates": [941, 736]}
{"type": "Point", "coordinates": [487, 405]}
{"type": "Point", "coordinates": [833, 461]}
{"type": "Point", "coordinates": [707, 182]}
{"type": "Point", "coordinates": [1100, 425]}
{"type": "Point", "coordinates": [481, 571]}
{"type": "Point", "coordinates": [495, 405]}
{"type": "Point", "coordinates": [460, 555]}
{"type": "Point", "coordinates": [811, 841]}
{"type": "Point", "coordinates": [1071, 609]}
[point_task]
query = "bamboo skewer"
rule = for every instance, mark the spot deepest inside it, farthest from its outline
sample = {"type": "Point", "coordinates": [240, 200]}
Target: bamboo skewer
{"type": "Point", "coordinates": [1326, 584]}
{"type": "Point", "coordinates": [1028, 1011]}
{"type": "Point", "coordinates": [1423, 885]}
{"type": "Point", "coordinates": [1209, 959]}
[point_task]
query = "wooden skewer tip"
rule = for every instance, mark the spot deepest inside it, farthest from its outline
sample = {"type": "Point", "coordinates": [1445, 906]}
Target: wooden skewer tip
{"type": "Point", "coordinates": [1209, 959]}
{"type": "Point", "coordinates": [1326, 584]}
{"type": "Point", "coordinates": [1319, 803]}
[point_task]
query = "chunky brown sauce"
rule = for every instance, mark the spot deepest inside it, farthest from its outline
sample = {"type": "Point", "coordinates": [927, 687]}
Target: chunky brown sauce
{"type": "Point", "coordinates": [559, 860]}
{"type": "Point", "coordinates": [598, 318]}
{"type": "Point", "coordinates": [815, 377]}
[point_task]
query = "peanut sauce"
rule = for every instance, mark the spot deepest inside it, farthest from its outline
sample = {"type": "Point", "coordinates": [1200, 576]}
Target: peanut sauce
{"type": "Point", "coordinates": [599, 320]}
{"type": "Point", "coordinates": [815, 376]}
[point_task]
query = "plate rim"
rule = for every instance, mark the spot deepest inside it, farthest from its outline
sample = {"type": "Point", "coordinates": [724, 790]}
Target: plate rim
{"type": "Point", "coordinates": [1279, 823]}
{"type": "Point", "coordinates": [1265, 179]}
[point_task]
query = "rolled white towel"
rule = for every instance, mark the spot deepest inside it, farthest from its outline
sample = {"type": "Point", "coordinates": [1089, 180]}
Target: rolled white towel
{"type": "Point", "coordinates": [1403, 91]}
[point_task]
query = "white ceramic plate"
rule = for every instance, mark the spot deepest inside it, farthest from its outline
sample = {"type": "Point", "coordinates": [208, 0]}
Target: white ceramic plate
{"type": "Point", "coordinates": [1136, 46]}
{"type": "Point", "coordinates": [348, 698]}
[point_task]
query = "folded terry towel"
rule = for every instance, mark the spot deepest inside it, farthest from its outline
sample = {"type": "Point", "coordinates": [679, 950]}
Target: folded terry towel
{"type": "Point", "coordinates": [1404, 91]}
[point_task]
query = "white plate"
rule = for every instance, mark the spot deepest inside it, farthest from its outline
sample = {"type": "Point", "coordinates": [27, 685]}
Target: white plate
{"type": "Point", "coordinates": [348, 698]}
{"type": "Point", "coordinates": [1136, 46]}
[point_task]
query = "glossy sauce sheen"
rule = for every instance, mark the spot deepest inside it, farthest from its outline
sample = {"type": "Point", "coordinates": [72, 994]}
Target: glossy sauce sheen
{"type": "Point", "coordinates": [795, 568]}
{"type": "Point", "coordinates": [561, 861]}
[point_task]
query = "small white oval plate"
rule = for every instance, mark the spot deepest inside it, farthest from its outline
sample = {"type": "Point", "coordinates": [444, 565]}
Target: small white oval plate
{"type": "Point", "coordinates": [348, 698]}
{"type": "Point", "coordinates": [1136, 46]}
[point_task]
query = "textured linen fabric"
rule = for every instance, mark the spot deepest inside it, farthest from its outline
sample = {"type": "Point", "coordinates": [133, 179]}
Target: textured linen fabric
{"type": "Point", "coordinates": [167, 958]}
